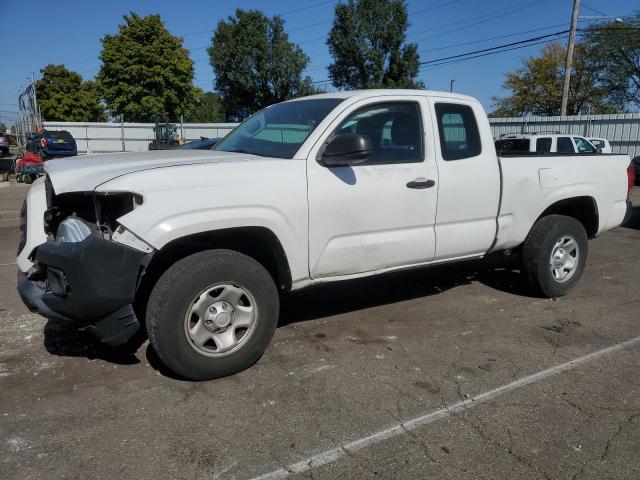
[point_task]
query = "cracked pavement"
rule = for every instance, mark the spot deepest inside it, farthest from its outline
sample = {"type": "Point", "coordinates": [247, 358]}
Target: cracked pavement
{"type": "Point", "coordinates": [349, 359]}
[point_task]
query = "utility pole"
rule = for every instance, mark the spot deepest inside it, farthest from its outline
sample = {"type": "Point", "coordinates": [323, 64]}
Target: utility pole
{"type": "Point", "coordinates": [569, 62]}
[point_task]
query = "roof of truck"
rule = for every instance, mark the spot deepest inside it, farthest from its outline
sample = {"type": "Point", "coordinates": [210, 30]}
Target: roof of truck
{"type": "Point", "coordinates": [506, 136]}
{"type": "Point", "coordinates": [387, 92]}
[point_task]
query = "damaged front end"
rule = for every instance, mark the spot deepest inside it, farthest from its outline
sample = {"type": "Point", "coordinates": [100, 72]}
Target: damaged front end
{"type": "Point", "coordinates": [89, 268]}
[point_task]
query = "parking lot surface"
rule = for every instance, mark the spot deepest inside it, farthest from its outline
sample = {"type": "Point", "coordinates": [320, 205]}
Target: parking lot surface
{"type": "Point", "coordinates": [452, 372]}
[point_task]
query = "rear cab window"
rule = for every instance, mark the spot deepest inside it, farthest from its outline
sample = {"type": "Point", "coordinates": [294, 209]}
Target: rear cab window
{"type": "Point", "coordinates": [458, 131]}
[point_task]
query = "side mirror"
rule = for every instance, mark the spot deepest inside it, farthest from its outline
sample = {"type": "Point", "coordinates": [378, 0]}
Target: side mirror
{"type": "Point", "coordinates": [346, 149]}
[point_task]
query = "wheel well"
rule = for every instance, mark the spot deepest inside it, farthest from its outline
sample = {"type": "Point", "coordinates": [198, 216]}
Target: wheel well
{"type": "Point", "coordinates": [583, 209]}
{"type": "Point", "coordinates": [259, 243]}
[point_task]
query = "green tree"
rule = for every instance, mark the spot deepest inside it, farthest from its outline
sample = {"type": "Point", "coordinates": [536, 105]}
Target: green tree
{"type": "Point", "coordinates": [64, 97]}
{"type": "Point", "coordinates": [615, 51]}
{"type": "Point", "coordinates": [254, 63]}
{"type": "Point", "coordinates": [146, 74]}
{"type": "Point", "coordinates": [3, 128]}
{"type": "Point", "coordinates": [206, 109]}
{"type": "Point", "coordinates": [536, 88]}
{"type": "Point", "coordinates": [367, 42]}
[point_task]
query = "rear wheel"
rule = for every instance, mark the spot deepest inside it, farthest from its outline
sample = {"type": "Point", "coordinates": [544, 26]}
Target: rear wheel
{"type": "Point", "coordinates": [28, 179]}
{"type": "Point", "coordinates": [554, 254]}
{"type": "Point", "coordinates": [212, 314]}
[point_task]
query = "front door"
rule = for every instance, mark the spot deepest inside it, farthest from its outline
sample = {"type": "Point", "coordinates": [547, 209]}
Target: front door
{"type": "Point", "coordinates": [379, 214]}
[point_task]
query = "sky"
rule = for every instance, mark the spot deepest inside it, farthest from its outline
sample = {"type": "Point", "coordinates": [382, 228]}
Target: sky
{"type": "Point", "coordinates": [35, 33]}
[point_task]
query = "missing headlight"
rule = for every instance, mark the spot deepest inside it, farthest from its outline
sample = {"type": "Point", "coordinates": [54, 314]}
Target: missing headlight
{"type": "Point", "coordinates": [110, 206]}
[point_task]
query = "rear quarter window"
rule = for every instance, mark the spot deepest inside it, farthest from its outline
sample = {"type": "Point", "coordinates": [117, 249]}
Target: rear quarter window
{"type": "Point", "coordinates": [458, 131]}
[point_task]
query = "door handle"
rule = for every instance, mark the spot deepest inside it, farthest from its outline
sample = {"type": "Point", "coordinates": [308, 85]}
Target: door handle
{"type": "Point", "coordinates": [420, 183]}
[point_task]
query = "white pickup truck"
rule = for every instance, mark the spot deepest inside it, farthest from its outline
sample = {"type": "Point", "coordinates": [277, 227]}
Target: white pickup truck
{"type": "Point", "coordinates": [317, 189]}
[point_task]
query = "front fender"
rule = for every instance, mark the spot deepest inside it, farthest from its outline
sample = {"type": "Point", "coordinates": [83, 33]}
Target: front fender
{"type": "Point", "coordinates": [187, 200]}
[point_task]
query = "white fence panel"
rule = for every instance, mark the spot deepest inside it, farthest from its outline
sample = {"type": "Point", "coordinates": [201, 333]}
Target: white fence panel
{"type": "Point", "coordinates": [622, 130]}
{"type": "Point", "coordinates": [104, 137]}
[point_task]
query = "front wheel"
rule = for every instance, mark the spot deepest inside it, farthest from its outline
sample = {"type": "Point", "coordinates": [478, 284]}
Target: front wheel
{"type": "Point", "coordinates": [554, 254]}
{"type": "Point", "coordinates": [212, 314]}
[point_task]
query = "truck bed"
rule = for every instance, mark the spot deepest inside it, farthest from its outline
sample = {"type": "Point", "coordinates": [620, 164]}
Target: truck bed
{"type": "Point", "coordinates": [532, 183]}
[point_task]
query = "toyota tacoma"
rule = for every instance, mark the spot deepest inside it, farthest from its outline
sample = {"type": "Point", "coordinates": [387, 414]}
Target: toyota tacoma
{"type": "Point", "coordinates": [197, 244]}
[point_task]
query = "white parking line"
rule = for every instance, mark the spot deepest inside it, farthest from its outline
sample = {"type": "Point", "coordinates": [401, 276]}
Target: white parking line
{"type": "Point", "coordinates": [7, 264]}
{"type": "Point", "coordinates": [330, 456]}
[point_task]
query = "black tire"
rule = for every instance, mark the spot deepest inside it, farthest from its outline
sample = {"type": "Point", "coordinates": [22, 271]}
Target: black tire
{"type": "Point", "coordinates": [538, 247]}
{"type": "Point", "coordinates": [173, 296]}
{"type": "Point", "coordinates": [19, 178]}
{"type": "Point", "coordinates": [28, 179]}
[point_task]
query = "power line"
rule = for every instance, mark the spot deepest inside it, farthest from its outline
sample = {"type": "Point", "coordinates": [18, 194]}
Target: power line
{"type": "Point", "coordinates": [593, 9]}
{"type": "Point", "coordinates": [492, 38]}
{"type": "Point", "coordinates": [487, 17]}
{"type": "Point", "coordinates": [470, 43]}
{"type": "Point", "coordinates": [304, 27]}
{"type": "Point", "coordinates": [441, 5]}
{"type": "Point", "coordinates": [435, 7]}
{"type": "Point", "coordinates": [301, 9]}
{"type": "Point", "coordinates": [490, 18]}
{"type": "Point", "coordinates": [410, 15]}
{"type": "Point", "coordinates": [528, 40]}
{"type": "Point", "coordinates": [459, 60]}
{"type": "Point", "coordinates": [487, 51]}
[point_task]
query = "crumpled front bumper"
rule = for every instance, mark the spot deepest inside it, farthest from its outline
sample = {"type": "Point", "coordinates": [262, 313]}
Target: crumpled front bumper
{"type": "Point", "coordinates": [92, 283]}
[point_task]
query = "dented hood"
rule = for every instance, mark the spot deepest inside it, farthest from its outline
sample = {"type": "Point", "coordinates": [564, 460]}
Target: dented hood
{"type": "Point", "coordinates": [86, 172]}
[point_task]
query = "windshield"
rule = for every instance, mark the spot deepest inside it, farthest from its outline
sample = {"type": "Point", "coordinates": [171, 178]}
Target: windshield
{"type": "Point", "coordinates": [279, 130]}
{"type": "Point", "coordinates": [583, 145]}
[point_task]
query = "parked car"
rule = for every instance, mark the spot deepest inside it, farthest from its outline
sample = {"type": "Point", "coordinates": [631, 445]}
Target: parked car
{"type": "Point", "coordinates": [636, 166]}
{"type": "Point", "coordinates": [52, 144]}
{"type": "Point", "coordinates": [544, 143]}
{"type": "Point", "coordinates": [313, 190]}
{"type": "Point", "coordinates": [602, 143]}
{"type": "Point", "coordinates": [4, 145]}
{"type": "Point", "coordinates": [202, 144]}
